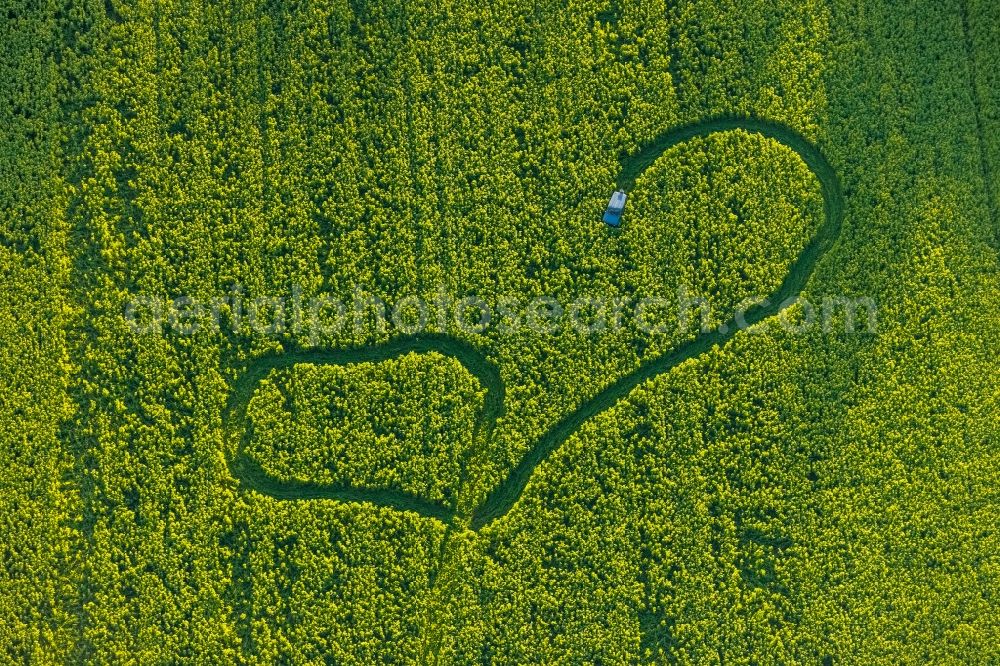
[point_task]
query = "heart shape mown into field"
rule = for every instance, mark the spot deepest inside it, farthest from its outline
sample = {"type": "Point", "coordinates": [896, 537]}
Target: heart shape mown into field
{"type": "Point", "coordinates": [504, 495]}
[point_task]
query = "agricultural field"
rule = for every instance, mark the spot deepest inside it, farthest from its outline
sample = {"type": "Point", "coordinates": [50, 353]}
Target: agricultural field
{"type": "Point", "coordinates": [314, 348]}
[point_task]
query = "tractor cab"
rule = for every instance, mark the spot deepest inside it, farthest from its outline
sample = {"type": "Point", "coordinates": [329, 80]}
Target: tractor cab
{"type": "Point", "coordinates": [613, 214]}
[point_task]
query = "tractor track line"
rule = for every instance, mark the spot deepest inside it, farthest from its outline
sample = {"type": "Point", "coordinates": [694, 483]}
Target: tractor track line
{"type": "Point", "coordinates": [977, 106]}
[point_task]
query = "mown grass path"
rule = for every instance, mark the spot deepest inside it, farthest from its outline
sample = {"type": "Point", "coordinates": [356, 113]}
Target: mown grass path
{"type": "Point", "coordinates": [505, 495]}
{"type": "Point", "coordinates": [253, 477]}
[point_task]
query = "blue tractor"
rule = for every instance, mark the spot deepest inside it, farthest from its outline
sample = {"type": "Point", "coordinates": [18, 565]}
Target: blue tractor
{"type": "Point", "coordinates": [613, 214]}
